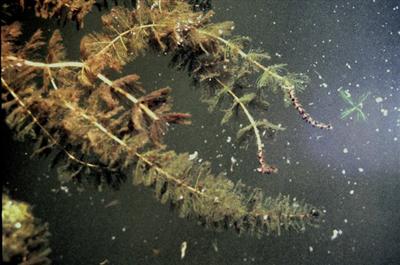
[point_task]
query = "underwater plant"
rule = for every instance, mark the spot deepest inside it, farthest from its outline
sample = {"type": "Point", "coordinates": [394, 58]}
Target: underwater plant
{"type": "Point", "coordinates": [355, 107]}
{"type": "Point", "coordinates": [25, 239]}
{"type": "Point", "coordinates": [101, 131]}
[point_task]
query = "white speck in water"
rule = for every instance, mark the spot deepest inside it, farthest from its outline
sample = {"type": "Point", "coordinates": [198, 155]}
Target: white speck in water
{"type": "Point", "coordinates": [360, 169]}
{"type": "Point", "coordinates": [351, 192]}
{"type": "Point", "coordinates": [336, 233]}
{"type": "Point", "coordinates": [18, 225]}
{"type": "Point", "coordinates": [229, 139]}
{"type": "Point", "coordinates": [194, 155]}
{"type": "Point", "coordinates": [345, 150]}
{"type": "Point", "coordinates": [215, 245]}
{"type": "Point", "coordinates": [344, 172]}
{"type": "Point", "coordinates": [310, 248]}
{"type": "Point", "coordinates": [183, 249]}
{"type": "Point", "coordinates": [378, 100]}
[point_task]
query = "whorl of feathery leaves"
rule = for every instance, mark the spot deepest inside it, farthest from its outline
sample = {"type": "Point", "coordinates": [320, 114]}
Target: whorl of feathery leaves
{"type": "Point", "coordinates": [262, 125]}
{"type": "Point", "coordinates": [271, 78]}
{"type": "Point", "coordinates": [258, 55]}
{"type": "Point", "coordinates": [53, 116]}
{"type": "Point", "coordinates": [127, 33]}
{"type": "Point", "coordinates": [217, 202]}
{"type": "Point", "coordinates": [98, 132]}
{"type": "Point", "coordinates": [76, 10]}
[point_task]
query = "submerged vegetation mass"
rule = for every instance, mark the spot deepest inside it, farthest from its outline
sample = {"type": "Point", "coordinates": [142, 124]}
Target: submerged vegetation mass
{"type": "Point", "coordinates": [102, 131]}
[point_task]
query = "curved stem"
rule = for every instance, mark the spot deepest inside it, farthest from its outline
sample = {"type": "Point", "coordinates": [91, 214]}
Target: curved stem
{"type": "Point", "coordinates": [260, 145]}
{"type": "Point", "coordinates": [126, 146]}
{"type": "Point", "coordinates": [36, 121]}
{"type": "Point", "coordinates": [286, 85]}
{"type": "Point", "coordinates": [264, 166]}
{"type": "Point", "coordinates": [181, 183]}
{"type": "Point", "coordinates": [131, 30]}
{"type": "Point", "coordinates": [100, 76]}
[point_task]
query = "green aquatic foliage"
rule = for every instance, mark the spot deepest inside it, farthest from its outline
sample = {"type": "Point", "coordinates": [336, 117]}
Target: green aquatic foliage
{"type": "Point", "coordinates": [216, 201]}
{"type": "Point", "coordinates": [25, 239]}
{"type": "Point", "coordinates": [261, 125]}
{"type": "Point", "coordinates": [356, 107]}
{"type": "Point", "coordinates": [102, 131]}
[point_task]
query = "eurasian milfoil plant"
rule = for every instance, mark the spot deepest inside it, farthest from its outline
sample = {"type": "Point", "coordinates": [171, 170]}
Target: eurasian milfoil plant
{"type": "Point", "coordinates": [102, 131]}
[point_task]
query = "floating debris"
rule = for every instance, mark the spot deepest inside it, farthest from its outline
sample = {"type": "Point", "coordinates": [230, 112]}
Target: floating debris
{"type": "Point", "coordinates": [215, 245]}
{"type": "Point", "coordinates": [233, 162]}
{"type": "Point", "coordinates": [336, 233]}
{"type": "Point", "coordinates": [183, 249]}
{"type": "Point", "coordinates": [354, 106]}
{"type": "Point", "coordinates": [193, 156]}
{"type": "Point", "coordinates": [111, 204]}
{"type": "Point", "coordinates": [104, 262]}
{"type": "Point", "coordinates": [156, 252]}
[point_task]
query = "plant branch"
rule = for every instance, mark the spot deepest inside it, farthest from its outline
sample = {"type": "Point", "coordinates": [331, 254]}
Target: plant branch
{"type": "Point", "coordinates": [47, 133]}
{"type": "Point", "coordinates": [264, 167]}
{"type": "Point", "coordinates": [285, 84]}
{"type": "Point", "coordinates": [126, 146]}
{"type": "Point", "coordinates": [100, 76]}
{"type": "Point", "coordinates": [131, 30]}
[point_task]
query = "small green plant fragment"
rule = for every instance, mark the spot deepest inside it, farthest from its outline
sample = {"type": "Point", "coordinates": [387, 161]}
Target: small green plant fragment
{"type": "Point", "coordinates": [355, 107]}
{"type": "Point", "coordinates": [25, 238]}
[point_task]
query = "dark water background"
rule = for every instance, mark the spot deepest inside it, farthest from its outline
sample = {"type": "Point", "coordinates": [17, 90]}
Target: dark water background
{"type": "Point", "coordinates": [353, 172]}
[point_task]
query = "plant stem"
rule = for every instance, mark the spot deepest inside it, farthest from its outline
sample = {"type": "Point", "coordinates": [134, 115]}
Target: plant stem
{"type": "Point", "coordinates": [122, 143]}
{"type": "Point", "coordinates": [100, 76]}
{"type": "Point", "coordinates": [260, 145]}
{"type": "Point", "coordinates": [285, 84]}
{"type": "Point", "coordinates": [166, 175]}
{"type": "Point", "coordinates": [264, 166]}
{"type": "Point", "coordinates": [131, 30]}
{"type": "Point", "coordinates": [47, 133]}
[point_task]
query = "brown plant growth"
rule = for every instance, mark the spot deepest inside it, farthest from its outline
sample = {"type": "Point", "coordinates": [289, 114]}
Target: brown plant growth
{"type": "Point", "coordinates": [103, 131]}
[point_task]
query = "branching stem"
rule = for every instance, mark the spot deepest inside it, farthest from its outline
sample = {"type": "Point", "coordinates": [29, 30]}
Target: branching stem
{"type": "Point", "coordinates": [36, 121]}
{"type": "Point", "coordinates": [264, 166]}
{"type": "Point", "coordinates": [287, 86]}
{"type": "Point", "coordinates": [122, 143]}
{"type": "Point", "coordinates": [243, 55]}
{"type": "Point", "coordinates": [100, 76]}
{"type": "Point", "coordinates": [260, 145]}
{"type": "Point", "coordinates": [166, 175]}
{"type": "Point", "coordinates": [131, 30]}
